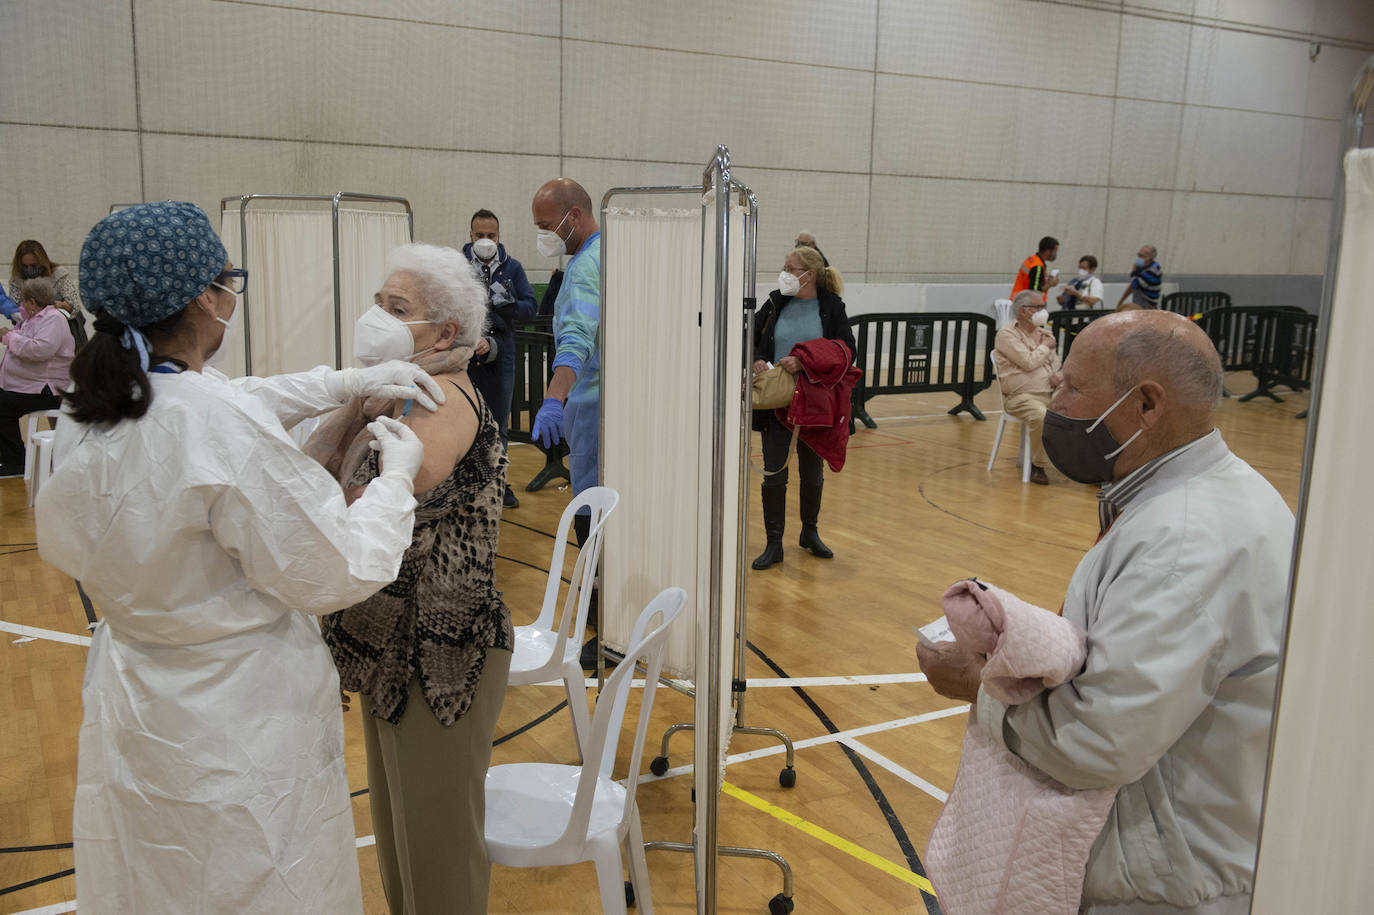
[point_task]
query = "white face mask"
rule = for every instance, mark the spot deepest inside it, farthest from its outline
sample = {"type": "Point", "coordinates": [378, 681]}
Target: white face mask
{"type": "Point", "coordinates": [1082, 272]}
{"type": "Point", "coordinates": [1040, 318]}
{"type": "Point", "coordinates": [485, 248]}
{"type": "Point", "coordinates": [216, 356]}
{"type": "Point", "coordinates": [379, 336]}
{"type": "Point", "coordinates": [788, 284]}
{"type": "Point", "coordinates": [551, 244]}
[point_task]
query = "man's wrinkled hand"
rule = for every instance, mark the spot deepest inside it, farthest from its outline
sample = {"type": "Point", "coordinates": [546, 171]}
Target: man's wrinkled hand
{"type": "Point", "coordinates": [952, 671]}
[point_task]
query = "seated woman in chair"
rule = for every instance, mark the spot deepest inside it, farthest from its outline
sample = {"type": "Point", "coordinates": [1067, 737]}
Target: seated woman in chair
{"type": "Point", "coordinates": [431, 653]}
{"type": "Point", "coordinates": [1028, 367]}
{"type": "Point", "coordinates": [34, 369]}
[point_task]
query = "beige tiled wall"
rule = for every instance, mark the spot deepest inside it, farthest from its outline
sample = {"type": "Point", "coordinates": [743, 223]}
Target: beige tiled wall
{"type": "Point", "coordinates": [939, 138]}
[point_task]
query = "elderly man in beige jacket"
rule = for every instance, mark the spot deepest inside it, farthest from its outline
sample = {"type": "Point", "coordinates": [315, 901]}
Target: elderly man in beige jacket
{"type": "Point", "coordinates": [1028, 367]}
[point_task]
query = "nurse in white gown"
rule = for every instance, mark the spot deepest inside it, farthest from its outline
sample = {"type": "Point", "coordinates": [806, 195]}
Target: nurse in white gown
{"type": "Point", "coordinates": [210, 772]}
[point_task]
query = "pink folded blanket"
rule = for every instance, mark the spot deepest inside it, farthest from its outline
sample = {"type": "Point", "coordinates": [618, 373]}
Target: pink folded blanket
{"type": "Point", "coordinates": [1010, 838]}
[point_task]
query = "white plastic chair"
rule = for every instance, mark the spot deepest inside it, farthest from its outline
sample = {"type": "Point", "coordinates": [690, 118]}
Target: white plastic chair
{"type": "Point", "coordinates": [1025, 454]}
{"type": "Point", "coordinates": [549, 650]}
{"type": "Point", "coordinates": [543, 814]}
{"type": "Point", "coordinates": [31, 455]}
{"type": "Point", "coordinates": [1004, 315]}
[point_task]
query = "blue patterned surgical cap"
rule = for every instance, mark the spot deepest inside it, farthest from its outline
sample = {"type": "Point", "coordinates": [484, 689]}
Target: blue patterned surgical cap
{"type": "Point", "coordinates": [148, 262]}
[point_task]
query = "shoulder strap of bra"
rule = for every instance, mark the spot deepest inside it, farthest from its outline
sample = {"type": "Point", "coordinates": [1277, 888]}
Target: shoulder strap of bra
{"type": "Point", "coordinates": [476, 409]}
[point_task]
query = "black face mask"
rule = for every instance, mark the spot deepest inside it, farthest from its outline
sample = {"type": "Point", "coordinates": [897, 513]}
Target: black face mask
{"type": "Point", "coordinates": [31, 273]}
{"type": "Point", "coordinates": [1084, 450]}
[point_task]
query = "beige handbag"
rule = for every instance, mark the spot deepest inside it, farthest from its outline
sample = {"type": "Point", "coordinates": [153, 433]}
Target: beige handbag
{"type": "Point", "coordinates": [773, 389]}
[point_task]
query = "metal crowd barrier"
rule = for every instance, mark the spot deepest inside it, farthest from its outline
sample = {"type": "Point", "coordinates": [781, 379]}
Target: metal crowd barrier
{"type": "Point", "coordinates": [1192, 303]}
{"type": "Point", "coordinates": [534, 352]}
{"type": "Point", "coordinates": [1065, 325]}
{"type": "Point", "coordinates": [1277, 344]}
{"type": "Point", "coordinates": [918, 353]}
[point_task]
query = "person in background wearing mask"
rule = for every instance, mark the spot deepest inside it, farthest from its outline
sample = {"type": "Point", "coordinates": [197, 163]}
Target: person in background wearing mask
{"type": "Point", "coordinates": [805, 306]}
{"type": "Point", "coordinates": [1183, 599]}
{"type": "Point", "coordinates": [1147, 276]}
{"type": "Point", "coordinates": [1028, 370]}
{"type": "Point", "coordinates": [30, 262]}
{"type": "Point", "coordinates": [33, 369]}
{"type": "Point", "coordinates": [566, 224]}
{"type": "Point", "coordinates": [1084, 290]}
{"type": "Point", "coordinates": [1034, 274]}
{"type": "Point", "coordinates": [430, 654]}
{"type": "Point", "coordinates": [210, 766]}
{"type": "Point", "coordinates": [510, 302]}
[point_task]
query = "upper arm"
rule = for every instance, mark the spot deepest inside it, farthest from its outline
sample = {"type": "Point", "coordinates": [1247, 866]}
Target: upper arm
{"type": "Point", "coordinates": [580, 315]}
{"type": "Point", "coordinates": [446, 434]}
{"type": "Point", "coordinates": [1151, 670]}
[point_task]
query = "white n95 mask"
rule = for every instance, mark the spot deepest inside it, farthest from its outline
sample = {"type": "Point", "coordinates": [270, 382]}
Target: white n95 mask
{"type": "Point", "coordinates": [788, 284]}
{"type": "Point", "coordinates": [1041, 317]}
{"type": "Point", "coordinates": [379, 336]}
{"type": "Point", "coordinates": [485, 248]}
{"type": "Point", "coordinates": [551, 244]}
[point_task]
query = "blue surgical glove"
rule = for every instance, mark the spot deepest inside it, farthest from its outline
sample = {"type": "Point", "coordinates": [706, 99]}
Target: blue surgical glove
{"type": "Point", "coordinates": [548, 423]}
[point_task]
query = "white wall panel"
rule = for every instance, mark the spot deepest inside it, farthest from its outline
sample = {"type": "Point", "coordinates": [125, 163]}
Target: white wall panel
{"type": "Point", "coordinates": [68, 62]}
{"type": "Point", "coordinates": [1240, 70]}
{"type": "Point", "coordinates": [444, 188]}
{"type": "Point", "coordinates": [538, 17]}
{"type": "Point", "coordinates": [76, 175]}
{"type": "Point", "coordinates": [343, 78]}
{"type": "Point", "coordinates": [1278, 14]}
{"type": "Point", "coordinates": [1321, 144]}
{"type": "Point", "coordinates": [1154, 58]}
{"type": "Point", "coordinates": [1145, 143]}
{"type": "Point", "coordinates": [1311, 235]}
{"type": "Point", "coordinates": [1135, 218]}
{"type": "Point", "coordinates": [915, 223]}
{"type": "Point", "coordinates": [1001, 41]}
{"type": "Point", "coordinates": [1221, 233]}
{"type": "Point", "coordinates": [964, 130]}
{"type": "Point", "coordinates": [1239, 151]}
{"type": "Point", "coordinates": [1330, 79]}
{"type": "Point", "coordinates": [633, 103]}
{"type": "Point", "coordinates": [836, 33]}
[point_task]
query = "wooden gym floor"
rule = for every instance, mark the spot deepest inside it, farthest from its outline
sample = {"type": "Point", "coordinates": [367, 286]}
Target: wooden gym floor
{"type": "Point", "coordinates": [914, 510]}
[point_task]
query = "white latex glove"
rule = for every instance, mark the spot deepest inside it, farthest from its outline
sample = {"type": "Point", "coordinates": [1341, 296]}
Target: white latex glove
{"type": "Point", "coordinates": [402, 452]}
{"type": "Point", "coordinates": [395, 379]}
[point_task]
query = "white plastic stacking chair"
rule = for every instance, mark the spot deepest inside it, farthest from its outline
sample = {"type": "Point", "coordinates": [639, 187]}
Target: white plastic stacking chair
{"type": "Point", "coordinates": [543, 814]}
{"type": "Point", "coordinates": [31, 449]}
{"type": "Point", "coordinates": [1004, 315]}
{"type": "Point", "coordinates": [42, 463]}
{"type": "Point", "coordinates": [1002, 420]}
{"type": "Point", "coordinates": [550, 648]}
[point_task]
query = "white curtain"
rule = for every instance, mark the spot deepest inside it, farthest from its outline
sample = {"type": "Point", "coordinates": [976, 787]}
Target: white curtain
{"type": "Point", "coordinates": [290, 260]}
{"type": "Point", "coordinates": [1316, 845]}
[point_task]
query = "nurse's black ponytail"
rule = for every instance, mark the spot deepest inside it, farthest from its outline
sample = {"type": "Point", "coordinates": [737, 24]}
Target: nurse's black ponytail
{"type": "Point", "coordinates": [108, 381]}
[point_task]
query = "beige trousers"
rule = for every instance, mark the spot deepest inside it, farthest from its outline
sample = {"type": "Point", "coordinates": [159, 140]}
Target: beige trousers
{"type": "Point", "coordinates": [1030, 408]}
{"type": "Point", "coordinates": [427, 784]}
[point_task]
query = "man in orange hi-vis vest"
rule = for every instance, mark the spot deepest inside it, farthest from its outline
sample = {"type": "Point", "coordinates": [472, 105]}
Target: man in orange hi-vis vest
{"type": "Point", "coordinates": [1034, 272]}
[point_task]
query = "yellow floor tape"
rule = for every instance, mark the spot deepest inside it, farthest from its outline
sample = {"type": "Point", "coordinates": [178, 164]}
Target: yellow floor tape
{"type": "Point", "coordinates": [829, 838]}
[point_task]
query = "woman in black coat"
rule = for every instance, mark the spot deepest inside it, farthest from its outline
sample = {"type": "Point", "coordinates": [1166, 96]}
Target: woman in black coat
{"type": "Point", "coordinates": [807, 306]}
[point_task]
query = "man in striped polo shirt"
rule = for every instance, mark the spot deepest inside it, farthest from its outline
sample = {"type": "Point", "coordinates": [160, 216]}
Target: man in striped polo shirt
{"type": "Point", "coordinates": [1146, 278]}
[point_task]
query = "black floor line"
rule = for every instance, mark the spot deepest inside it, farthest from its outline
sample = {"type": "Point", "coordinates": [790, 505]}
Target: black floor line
{"type": "Point", "coordinates": [521, 562]}
{"type": "Point", "coordinates": [15, 849]}
{"type": "Point", "coordinates": [28, 883]}
{"type": "Point", "coordinates": [525, 727]}
{"type": "Point", "coordinates": [884, 805]}
{"type": "Point", "coordinates": [572, 543]}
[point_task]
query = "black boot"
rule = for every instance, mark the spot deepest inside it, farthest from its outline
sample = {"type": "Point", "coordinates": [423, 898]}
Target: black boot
{"type": "Point", "coordinates": [810, 511]}
{"type": "Point", "coordinates": [774, 520]}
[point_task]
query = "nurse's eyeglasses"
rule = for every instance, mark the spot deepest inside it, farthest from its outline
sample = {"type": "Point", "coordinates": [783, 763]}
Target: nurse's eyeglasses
{"type": "Point", "coordinates": [235, 281]}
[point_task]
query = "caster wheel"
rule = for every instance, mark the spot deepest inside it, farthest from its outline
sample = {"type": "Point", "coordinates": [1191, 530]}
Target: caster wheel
{"type": "Point", "coordinates": [787, 778]}
{"type": "Point", "coordinates": [659, 765]}
{"type": "Point", "coordinates": [781, 905]}
{"type": "Point", "coordinates": [629, 893]}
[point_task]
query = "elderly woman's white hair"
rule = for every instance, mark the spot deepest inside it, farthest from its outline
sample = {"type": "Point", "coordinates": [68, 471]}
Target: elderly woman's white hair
{"type": "Point", "coordinates": [451, 290]}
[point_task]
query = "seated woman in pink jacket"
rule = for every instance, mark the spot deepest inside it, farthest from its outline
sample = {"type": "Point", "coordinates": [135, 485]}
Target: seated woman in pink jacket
{"type": "Point", "coordinates": [34, 368]}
